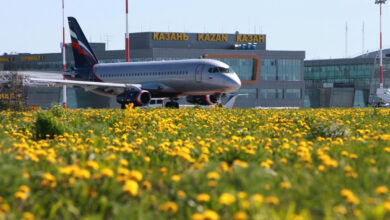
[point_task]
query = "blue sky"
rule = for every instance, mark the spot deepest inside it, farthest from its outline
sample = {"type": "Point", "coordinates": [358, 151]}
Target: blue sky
{"type": "Point", "coordinates": [318, 27]}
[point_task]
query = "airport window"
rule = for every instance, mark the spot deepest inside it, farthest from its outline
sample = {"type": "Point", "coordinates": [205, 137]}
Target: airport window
{"type": "Point", "coordinates": [360, 98]}
{"type": "Point", "coordinates": [289, 70]}
{"type": "Point", "coordinates": [279, 94]}
{"type": "Point", "coordinates": [268, 69]}
{"type": "Point", "coordinates": [268, 93]}
{"type": "Point", "coordinates": [293, 94]}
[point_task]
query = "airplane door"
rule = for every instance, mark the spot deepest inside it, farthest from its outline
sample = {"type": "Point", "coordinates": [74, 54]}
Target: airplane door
{"type": "Point", "coordinates": [198, 73]}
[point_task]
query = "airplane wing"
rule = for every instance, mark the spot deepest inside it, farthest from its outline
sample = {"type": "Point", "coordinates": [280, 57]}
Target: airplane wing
{"type": "Point", "coordinates": [115, 88]}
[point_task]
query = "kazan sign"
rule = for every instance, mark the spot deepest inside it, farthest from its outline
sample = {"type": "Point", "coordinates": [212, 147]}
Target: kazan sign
{"type": "Point", "coordinates": [239, 38]}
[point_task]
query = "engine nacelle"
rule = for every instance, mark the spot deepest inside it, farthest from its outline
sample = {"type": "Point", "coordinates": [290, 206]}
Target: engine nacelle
{"type": "Point", "coordinates": [137, 97]}
{"type": "Point", "coordinates": [203, 99]}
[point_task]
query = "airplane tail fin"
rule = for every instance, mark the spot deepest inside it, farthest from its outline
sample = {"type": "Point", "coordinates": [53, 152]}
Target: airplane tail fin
{"type": "Point", "coordinates": [82, 51]}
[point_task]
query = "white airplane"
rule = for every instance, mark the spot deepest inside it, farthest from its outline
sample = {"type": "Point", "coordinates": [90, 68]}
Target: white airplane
{"type": "Point", "coordinates": [203, 81]}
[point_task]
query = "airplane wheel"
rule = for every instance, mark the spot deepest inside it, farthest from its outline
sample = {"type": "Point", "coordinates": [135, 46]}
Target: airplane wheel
{"type": "Point", "coordinates": [172, 105]}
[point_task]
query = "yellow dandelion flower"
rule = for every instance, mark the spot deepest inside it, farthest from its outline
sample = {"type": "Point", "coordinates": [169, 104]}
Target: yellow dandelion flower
{"type": "Point", "coordinates": [28, 216]}
{"type": "Point", "coordinates": [353, 156]}
{"type": "Point", "coordinates": [181, 193]}
{"type": "Point", "coordinates": [346, 192]}
{"type": "Point", "coordinates": [92, 165]}
{"type": "Point", "coordinates": [123, 162]}
{"type": "Point", "coordinates": [210, 215]}
{"type": "Point", "coordinates": [175, 178]}
{"type": "Point", "coordinates": [147, 159]}
{"type": "Point", "coordinates": [240, 216]}
{"type": "Point", "coordinates": [381, 190]}
{"type": "Point", "coordinates": [197, 216]}
{"type": "Point", "coordinates": [321, 168]}
{"type": "Point", "coordinates": [227, 199]}
{"type": "Point", "coordinates": [257, 199]}
{"type": "Point", "coordinates": [21, 195]}
{"type": "Point", "coordinates": [83, 174]}
{"type": "Point", "coordinates": [136, 175]}
{"type": "Point", "coordinates": [353, 200]}
{"type": "Point", "coordinates": [48, 180]}
{"type": "Point", "coordinates": [5, 208]}
{"type": "Point", "coordinates": [169, 207]}
{"type": "Point", "coordinates": [283, 160]}
{"type": "Point", "coordinates": [213, 176]}
{"type": "Point", "coordinates": [131, 187]}
{"type": "Point", "coordinates": [285, 185]}
{"type": "Point", "coordinates": [107, 172]}
{"type": "Point", "coordinates": [272, 200]}
{"type": "Point", "coordinates": [240, 163]}
{"type": "Point", "coordinates": [146, 185]}
{"type": "Point", "coordinates": [24, 189]}
{"type": "Point", "coordinates": [242, 195]}
{"type": "Point", "coordinates": [203, 197]}
{"type": "Point", "coordinates": [386, 205]}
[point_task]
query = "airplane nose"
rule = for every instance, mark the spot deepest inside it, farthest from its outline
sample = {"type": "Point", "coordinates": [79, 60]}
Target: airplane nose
{"type": "Point", "coordinates": [234, 82]}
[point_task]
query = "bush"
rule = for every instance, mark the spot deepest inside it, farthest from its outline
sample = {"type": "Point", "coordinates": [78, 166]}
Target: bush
{"type": "Point", "coordinates": [58, 111]}
{"type": "Point", "coordinates": [321, 128]}
{"type": "Point", "coordinates": [47, 126]}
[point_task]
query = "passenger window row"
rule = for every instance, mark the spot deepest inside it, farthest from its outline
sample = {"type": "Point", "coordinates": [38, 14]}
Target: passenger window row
{"type": "Point", "coordinates": [110, 75]}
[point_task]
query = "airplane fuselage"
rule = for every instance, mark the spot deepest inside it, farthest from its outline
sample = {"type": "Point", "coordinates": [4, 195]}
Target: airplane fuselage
{"type": "Point", "coordinates": [179, 78]}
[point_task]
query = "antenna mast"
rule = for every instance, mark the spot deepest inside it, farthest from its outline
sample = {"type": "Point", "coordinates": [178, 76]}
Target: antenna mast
{"type": "Point", "coordinates": [346, 39]}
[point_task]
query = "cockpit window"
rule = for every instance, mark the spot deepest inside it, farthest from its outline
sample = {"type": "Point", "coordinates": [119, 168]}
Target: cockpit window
{"type": "Point", "coordinates": [220, 70]}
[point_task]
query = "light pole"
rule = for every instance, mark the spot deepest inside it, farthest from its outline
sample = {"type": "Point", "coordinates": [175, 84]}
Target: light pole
{"type": "Point", "coordinates": [64, 98]}
{"type": "Point", "coordinates": [127, 33]}
{"type": "Point", "coordinates": [380, 2]}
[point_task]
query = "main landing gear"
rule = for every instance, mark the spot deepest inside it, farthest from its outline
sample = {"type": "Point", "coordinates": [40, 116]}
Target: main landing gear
{"type": "Point", "coordinates": [172, 103]}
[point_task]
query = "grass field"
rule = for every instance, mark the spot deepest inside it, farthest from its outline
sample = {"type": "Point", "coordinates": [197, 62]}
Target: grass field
{"type": "Point", "coordinates": [195, 164]}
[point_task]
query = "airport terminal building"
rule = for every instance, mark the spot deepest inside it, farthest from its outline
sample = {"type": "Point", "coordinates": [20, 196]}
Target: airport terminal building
{"type": "Point", "coordinates": [270, 78]}
{"type": "Point", "coordinates": [348, 82]}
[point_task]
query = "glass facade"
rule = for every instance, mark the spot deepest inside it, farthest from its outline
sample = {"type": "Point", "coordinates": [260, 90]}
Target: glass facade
{"type": "Point", "coordinates": [346, 74]}
{"type": "Point", "coordinates": [312, 98]}
{"type": "Point", "coordinates": [325, 80]}
{"type": "Point", "coordinates": [278, 94]}
{"type": "Point", "coordinates": [268, 69]}
{"type": "Point", "coordinates": [293, 94]}
{"type": "Point", "coordinates": [268, 94]}
{"type": "Point", "coordinates": [282, 70]}
{"type": "Point", "coordinates": [360, 98]}
{"type": "Point", "coordinates": [289, 70]}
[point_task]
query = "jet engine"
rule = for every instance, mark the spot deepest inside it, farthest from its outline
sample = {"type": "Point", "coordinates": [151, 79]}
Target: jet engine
{"type": "Point", "coordinates": [203, 99]}
{"type": "Point", "coordinates": [137, 97]}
